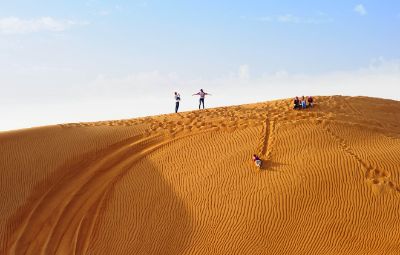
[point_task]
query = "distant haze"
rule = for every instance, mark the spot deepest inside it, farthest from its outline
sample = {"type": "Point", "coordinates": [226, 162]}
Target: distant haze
{"type": "Point", "coordinates": [71, 61]}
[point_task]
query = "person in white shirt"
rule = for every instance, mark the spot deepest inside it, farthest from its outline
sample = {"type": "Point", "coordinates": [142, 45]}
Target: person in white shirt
{"type": "Point", "coordinates": [177, 100]}
{"type": "Point", "coordinates": [202, 95]}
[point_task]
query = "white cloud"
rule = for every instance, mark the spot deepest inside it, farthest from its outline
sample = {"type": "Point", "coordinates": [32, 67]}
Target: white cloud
{"type": "Point", "coordinates": [244, 72]}
{"type": "Point", "coordinates": [360, 9]}
{"type": "Point", "coordinates": [14, 25]}
{"type": "Point", "coordinates": [281, 74]}
{"type": "Point", "coordinates": [379, 78]}
{"type": "Point", "coordinates": [293, 19]}
{"type": "Point", "coordinates": [109, 11]}
{"type": "Point", "coordinates": [151, 93]}
{"type": "Point", "coordinates": [288, 18]}
{"type": "Point", "coordinates": [265, 18]}
{"type": "Point", "coordinates": [103, 13]}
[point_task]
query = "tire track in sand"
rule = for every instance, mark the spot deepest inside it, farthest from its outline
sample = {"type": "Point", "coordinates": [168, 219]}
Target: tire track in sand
{"type": "Point", "coordinates": [81, 190]}
{"type": "Point", "coordinates": [62, 219]}
{"type": "Point", "coordinates": [352, 108]}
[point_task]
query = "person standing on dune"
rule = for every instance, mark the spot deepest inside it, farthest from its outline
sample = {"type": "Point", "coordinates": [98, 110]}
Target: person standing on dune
{"type": "Point", "coordinates": [202, 95]}
{"type": "Point", "coordinates": [177, 100]}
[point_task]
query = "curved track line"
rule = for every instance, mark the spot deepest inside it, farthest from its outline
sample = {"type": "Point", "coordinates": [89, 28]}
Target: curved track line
{"type": "Point", "coordinates": [68, 202]}
{"type": "Point", "coordinates": [71, 206]}
{"type": "Point", "coordinates": [353, 109]}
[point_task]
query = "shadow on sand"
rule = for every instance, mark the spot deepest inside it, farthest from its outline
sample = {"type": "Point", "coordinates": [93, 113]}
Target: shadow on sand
{"type": "Point", "coordinates": [155, 220]}
{"type": "Point", "coordinates": [102, 209]}
{"type": "Point", "coordinates": [268, 165]}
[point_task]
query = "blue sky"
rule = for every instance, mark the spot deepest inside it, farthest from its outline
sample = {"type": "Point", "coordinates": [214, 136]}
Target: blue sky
{"type": "Point", "coordinates": [67, 61]}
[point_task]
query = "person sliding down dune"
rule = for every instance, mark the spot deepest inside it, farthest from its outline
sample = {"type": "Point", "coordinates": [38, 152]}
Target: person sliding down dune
{"type": "Point", "coordinates": [257, 161]}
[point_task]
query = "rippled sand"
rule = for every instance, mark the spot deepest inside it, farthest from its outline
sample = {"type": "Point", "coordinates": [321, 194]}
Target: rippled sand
{"type": "Point", "coordinates": [185, 183]}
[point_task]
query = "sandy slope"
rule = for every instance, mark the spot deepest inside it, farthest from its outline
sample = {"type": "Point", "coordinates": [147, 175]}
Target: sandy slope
{"type": "Point", "coordinates": [185, 183]}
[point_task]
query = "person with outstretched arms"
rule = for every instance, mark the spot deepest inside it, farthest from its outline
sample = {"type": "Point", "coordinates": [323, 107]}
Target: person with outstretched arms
{"type": "Point", "coordinates": [202, 95]}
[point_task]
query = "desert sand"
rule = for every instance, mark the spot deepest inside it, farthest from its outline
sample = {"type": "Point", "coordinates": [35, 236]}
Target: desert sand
{"type": "Point", "coordinates": [185, 183]}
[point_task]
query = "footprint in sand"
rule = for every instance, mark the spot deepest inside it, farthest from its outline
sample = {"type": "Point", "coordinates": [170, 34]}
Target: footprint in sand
{"type": "Point", "coordinates": [376, 181]}
{"type": "Point", "coordinates": [381, 173]}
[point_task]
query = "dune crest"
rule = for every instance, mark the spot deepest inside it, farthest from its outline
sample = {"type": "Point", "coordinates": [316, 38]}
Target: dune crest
{"type": "Point", "coordinates": [185, 183]}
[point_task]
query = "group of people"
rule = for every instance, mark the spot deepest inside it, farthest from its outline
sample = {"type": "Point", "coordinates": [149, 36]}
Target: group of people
{"type": "Point", "coordinates": [303, 103]}
{"type": "Point", "coordinates": [298, 104]}
{"type": "Point", "coordinates": [201, 93]}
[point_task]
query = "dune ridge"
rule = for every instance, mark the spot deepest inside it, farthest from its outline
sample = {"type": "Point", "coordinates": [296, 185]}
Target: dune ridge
{"type": "Point", "coordinates": [185, 183]}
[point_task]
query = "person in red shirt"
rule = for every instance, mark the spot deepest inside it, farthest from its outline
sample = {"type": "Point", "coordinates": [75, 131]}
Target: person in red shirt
{"type": "Point", "coordinates": [310, 100]}
{"type": "Point", "coordinates": [257, 161]}
{"type": "Point", "coordinates": [296, 103]}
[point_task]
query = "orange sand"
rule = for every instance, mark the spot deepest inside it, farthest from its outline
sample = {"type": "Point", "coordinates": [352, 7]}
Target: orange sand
{"type": "Point", "coordinates": [185, 183]}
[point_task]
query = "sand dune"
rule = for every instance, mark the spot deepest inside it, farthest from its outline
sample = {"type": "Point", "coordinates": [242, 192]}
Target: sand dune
{"type": "Point", "coordinates": [185, 183]}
